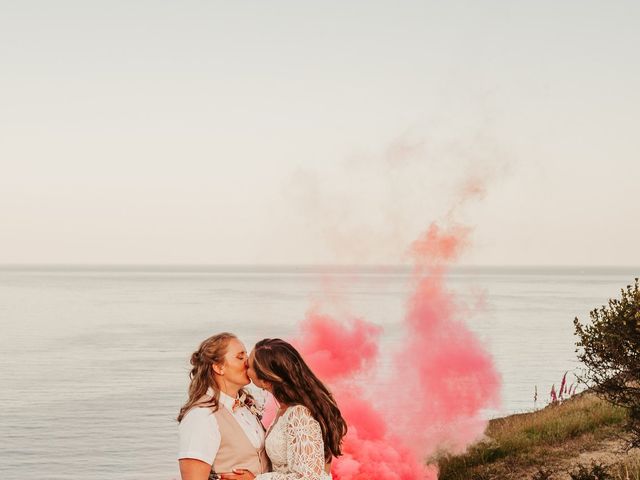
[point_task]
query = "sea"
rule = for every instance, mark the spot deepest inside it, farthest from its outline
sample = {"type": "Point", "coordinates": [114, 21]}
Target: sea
{"type": "Point", "coordinates": [94, 359]}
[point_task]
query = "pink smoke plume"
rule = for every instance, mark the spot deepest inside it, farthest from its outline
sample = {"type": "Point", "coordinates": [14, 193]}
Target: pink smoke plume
{"type": "Point", "coordinates": [434, 247]}
{"type": "Point", "coordinates": [449, 371]}
{"type": "Point", "coordinates": [342, 355]}
{"type": "Point", "coordinates": [337, 351]}
{"type": "Point", "coordinates": [442, 378]}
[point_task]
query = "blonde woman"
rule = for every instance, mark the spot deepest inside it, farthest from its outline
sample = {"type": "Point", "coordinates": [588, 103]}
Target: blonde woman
{"type": "Point", "coordinates": [219, 425]}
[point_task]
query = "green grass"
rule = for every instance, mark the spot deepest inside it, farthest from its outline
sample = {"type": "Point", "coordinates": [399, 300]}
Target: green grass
{"type": "Point", "coordinates": [535, 438]}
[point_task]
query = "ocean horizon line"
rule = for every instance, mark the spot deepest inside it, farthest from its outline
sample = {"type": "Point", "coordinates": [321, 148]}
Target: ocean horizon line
{"type": "Point", "coordinates": [307, 268]}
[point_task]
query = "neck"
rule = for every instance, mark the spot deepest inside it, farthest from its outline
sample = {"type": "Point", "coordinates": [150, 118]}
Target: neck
{"type": "Point", "coordinates": [230, 390]}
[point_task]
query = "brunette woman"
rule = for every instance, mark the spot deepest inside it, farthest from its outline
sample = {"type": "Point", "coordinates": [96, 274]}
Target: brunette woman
{"type": "Point", "coordinates": [307, 431]}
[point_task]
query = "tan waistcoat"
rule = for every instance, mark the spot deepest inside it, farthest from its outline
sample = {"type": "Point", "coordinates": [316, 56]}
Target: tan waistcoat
{"type": "Point", "coordinates": [236, 450]}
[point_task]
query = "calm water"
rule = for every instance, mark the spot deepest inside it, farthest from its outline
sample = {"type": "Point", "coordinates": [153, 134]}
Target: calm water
{"type": "Point", "coordinates": [94, 360]}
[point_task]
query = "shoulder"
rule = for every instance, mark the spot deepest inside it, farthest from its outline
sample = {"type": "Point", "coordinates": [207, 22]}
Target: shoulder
{"type": "Point", "coordinates": [198, 419]}
{"type": "Point", "coordinates": [199, 435]}
{"type": "Point", "coordinates": [299, 411]}
{"type": "Point", "coordinates": [300, 415]}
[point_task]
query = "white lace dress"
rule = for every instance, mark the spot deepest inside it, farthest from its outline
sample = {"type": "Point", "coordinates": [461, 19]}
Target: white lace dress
{"type": "Point", "coordinates": [295, 446]}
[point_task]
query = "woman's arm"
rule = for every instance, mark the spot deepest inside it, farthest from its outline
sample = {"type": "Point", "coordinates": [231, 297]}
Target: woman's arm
{"type": "Point", "coordinates": [199, 440]}
{"type": "Point", "coordinates": [192, 469]}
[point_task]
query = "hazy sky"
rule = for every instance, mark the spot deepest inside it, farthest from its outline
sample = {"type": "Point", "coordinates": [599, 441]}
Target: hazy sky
{"type": "Point", "coordinates": [241, 132]}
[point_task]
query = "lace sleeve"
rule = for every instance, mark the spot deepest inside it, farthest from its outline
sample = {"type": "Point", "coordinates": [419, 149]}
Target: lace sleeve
{"type": "Point", "coordinates": [305, 448]}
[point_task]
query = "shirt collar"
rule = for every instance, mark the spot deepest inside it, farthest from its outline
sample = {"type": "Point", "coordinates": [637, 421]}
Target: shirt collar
{"type": "Point", "coordinates": [225, 400]}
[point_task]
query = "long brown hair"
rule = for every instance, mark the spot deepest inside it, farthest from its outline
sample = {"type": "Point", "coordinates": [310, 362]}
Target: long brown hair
{"type": "Point", "coordinates": [293, 383]}
{"type": "Point", "coordinates": [211, 352]}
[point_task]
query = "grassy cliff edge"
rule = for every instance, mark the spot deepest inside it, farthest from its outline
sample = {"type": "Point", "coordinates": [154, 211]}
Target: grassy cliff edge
{"type": "Point", "coordinates": [552, 441]}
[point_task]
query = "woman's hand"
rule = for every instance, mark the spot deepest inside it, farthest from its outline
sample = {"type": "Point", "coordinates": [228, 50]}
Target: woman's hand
{"type": "Point", "coordinates": [238, 474]}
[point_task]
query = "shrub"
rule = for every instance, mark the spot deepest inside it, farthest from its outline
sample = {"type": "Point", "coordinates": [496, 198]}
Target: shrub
{"type": "Point", "coordinates": [543, 474]}
{"type": "Point", "coordinates": [609, 348]}
{"type": "Point", "coordinates": [597, 472]}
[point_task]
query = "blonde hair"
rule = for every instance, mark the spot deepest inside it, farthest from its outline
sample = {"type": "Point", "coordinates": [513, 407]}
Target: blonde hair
{"type": "Point", "coordinates": [211, 352]}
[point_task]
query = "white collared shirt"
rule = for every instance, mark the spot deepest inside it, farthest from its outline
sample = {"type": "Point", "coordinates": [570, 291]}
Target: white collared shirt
{"type": "Point", "coordinates": [199, 435]}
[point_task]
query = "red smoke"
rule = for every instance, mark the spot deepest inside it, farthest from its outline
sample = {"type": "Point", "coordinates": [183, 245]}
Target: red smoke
{"type": "Point", "coordinates": [442, 377]}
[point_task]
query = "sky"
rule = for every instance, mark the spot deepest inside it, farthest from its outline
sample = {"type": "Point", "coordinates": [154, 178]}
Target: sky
{"type": "Point", "coordinates": [318, 132]}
